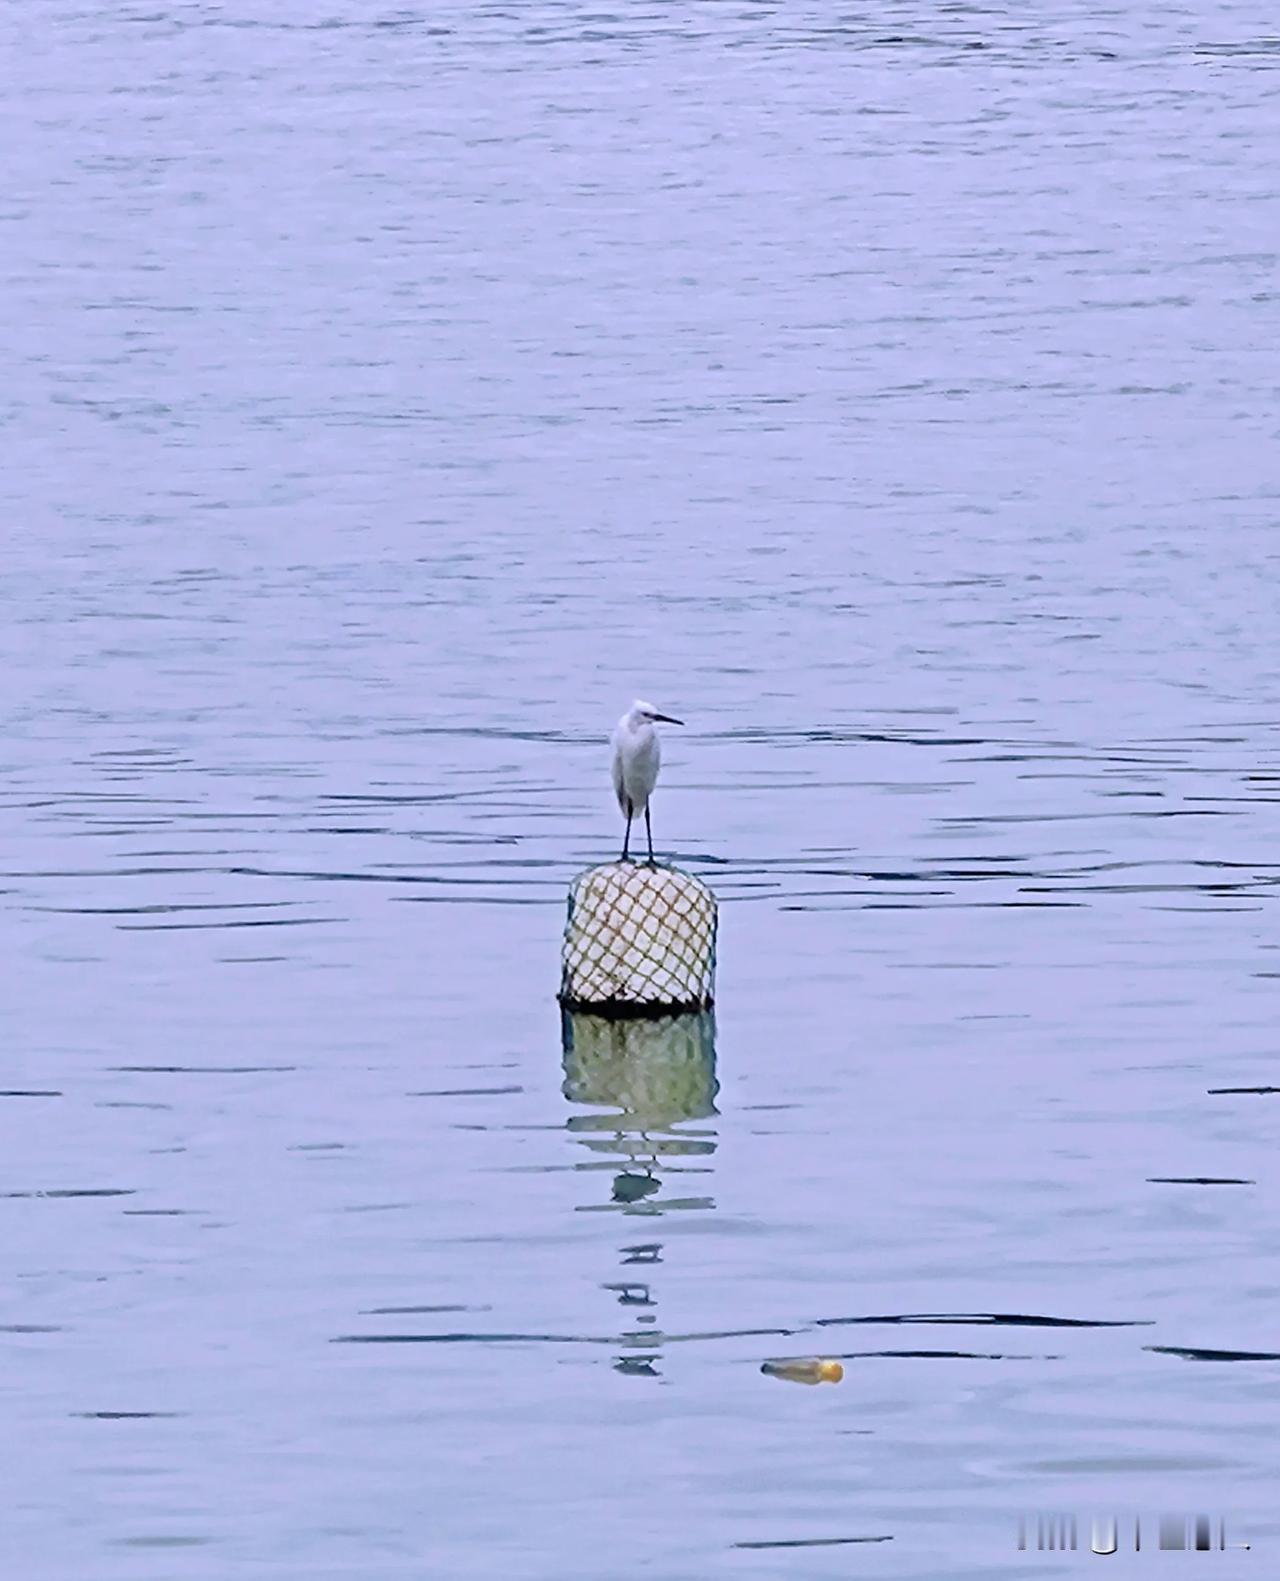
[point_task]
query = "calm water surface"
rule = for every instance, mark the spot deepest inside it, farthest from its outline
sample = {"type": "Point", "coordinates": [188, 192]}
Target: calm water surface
{"type": "Point", "coordinates": [391, 395]}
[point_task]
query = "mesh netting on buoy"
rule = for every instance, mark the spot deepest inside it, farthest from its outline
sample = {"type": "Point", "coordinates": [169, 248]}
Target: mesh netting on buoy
{"type": "Point", "coordinates": [639, 941]}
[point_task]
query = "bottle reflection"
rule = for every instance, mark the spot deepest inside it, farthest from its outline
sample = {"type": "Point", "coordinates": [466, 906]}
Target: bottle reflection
{"type": "Point", "coordinates": [646, 1079]}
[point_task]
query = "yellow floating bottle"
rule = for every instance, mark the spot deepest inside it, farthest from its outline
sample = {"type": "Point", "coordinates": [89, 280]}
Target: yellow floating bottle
{"type": "Point", "coordinates": [804, 1369]}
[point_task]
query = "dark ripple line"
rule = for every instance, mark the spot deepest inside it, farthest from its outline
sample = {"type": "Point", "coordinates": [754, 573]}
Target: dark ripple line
{"type": "Point", "coordinates": [200, 1070]}
{"type": "Point", "coordinates": [471, 899]}
{"type": "Point", "coordinates": [256, 922]}
{"type": "Point", "coordinates": [1198, 1180]}
{"type": "Point", "coordinates": [465, 1092]}
{"type": "Point", "coordinates": [1244, 886]}
{"type": "Point", "coordinates": [160, 910]}
{"type": "Point", "coordinates": [815, 1542]}
{"type": "Point", "coordinates": [462, 1338]}
{"type": "Point", "coordinates": [1008, 1319]}
{"type": "Point", "coordinates": [125, 1416]}
{"type": "Point", "coordinates": [1198, 1353]}
{"type": "Point", "coordinates": [945, 1355]}
{"type": "Point", "coordinates": [405, 1311]}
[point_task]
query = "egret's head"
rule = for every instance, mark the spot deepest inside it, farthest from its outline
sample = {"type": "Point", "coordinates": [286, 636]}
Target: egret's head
{"type": "Point", "coordinates": [646, 713]}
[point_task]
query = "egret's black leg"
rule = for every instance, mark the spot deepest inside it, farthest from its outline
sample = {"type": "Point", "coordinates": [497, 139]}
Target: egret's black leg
{"type": "Point", "coordinates": [626, 840]}
{"type": "Point", "coordinates": [648, 830]}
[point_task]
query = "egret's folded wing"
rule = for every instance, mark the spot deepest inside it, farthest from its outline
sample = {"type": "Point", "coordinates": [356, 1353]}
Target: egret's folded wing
{"type": "Point", "coordinates": [616, 768]}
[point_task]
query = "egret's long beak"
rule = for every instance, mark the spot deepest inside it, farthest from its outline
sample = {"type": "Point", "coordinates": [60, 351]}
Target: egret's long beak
{"type": "Point", "coordinates": [666, 719]}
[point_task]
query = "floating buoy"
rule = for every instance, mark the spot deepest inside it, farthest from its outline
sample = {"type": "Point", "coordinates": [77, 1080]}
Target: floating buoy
{"type": "Point", "coordinates": [805, 1369]}
{"type": "Point", "coordinates": [639, 941]}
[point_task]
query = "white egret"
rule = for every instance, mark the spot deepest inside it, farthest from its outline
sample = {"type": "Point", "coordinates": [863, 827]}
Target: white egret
{"type": "Point", "coordinates": [637, 755]}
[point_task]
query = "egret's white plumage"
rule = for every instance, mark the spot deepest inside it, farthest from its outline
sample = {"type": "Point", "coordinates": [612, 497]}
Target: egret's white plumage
{"type": "Point", "coordinates": [637, 756]}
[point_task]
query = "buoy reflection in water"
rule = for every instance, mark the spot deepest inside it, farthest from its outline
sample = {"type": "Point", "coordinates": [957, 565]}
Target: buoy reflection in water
{"type": "Point", "coordinates": [643, 1080]}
